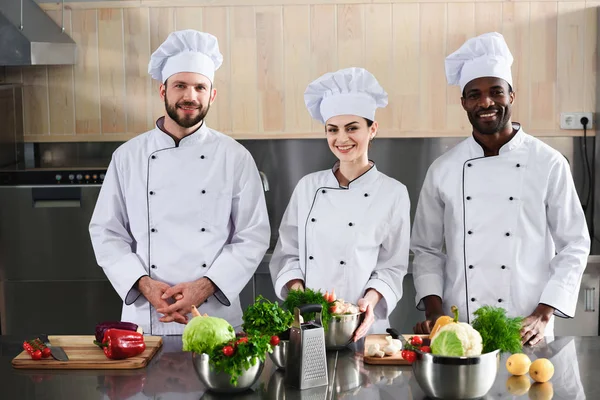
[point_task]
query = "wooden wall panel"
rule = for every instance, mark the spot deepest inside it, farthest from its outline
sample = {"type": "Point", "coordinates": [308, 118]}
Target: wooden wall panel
{"type": "Point", "coordinates": [543, 66]}
{"type": "Point", "coordinates": [273, 49]}
{"type": "Point", "coordinates": [112, 71]}
{"type": "Point", "coordinates": [138, 83]}
{"type": "Point", "coordinates": [61, 89]}
{"type": "Point", "coordinates": [269, 47]}
{"type": "Point", "coordinates": [87, 79]}
{"type": "Point", "coordinates": [296, 45]}
{"type": "Point", "coordinates": [516, 31]}
{"type": "Point", "coordinates": [379, 50]}
{"type": "Point", "coordinates": [433, 76]}
{"type": "Point", "coordinates": [216, 22]}
{"type": "Point", "coordinates": [405, 103]}
{"type": "Point", "coordinates": [244, 82]}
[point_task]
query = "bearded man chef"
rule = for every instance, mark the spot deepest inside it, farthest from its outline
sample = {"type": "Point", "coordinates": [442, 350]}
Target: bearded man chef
{"type": "Point", "coordinates": [181, 214]}
{"type": "Point", "coordinates": [346, 228]}
{"type": "Point", "coordinates": [498, 220]}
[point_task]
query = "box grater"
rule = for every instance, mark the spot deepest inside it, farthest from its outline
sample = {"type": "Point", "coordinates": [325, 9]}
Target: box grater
{"type": "Point", "coordinates": [306, 363]}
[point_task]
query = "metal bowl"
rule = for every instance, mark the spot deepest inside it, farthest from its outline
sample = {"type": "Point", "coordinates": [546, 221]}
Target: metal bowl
{"type": "Point", "coordinates": [279, 354]}
{"type": "Point", "coordinates": [341, 329]}
{"type": "Point", "coordinates": [220, 381]}
{"type": "Point", "coordinates": [456, 377]}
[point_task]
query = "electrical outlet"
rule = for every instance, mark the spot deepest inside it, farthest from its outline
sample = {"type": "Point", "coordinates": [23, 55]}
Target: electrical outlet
{"type": "Point", "coordinates": [573, 120]}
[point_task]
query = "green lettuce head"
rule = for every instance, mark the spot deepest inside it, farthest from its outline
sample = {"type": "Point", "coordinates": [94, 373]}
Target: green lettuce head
{"type": "Point", "coordinates": [202, 334]}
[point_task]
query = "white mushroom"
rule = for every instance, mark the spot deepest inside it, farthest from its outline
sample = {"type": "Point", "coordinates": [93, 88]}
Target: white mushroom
{"type": "Point", "coordinates": [374, 348]}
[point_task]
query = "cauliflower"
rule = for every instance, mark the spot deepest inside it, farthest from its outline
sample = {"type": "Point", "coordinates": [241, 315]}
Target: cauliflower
{"type": "Point", "coordinates": [457, 339]}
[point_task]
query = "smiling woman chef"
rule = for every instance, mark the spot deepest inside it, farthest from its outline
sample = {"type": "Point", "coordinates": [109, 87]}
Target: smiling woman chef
{"type": "Point", "coordinates": [181, 214]}
{"type": "Point", "coordinates": [348, 227]}
{"type": "Point", "coordinates": [498, 220]}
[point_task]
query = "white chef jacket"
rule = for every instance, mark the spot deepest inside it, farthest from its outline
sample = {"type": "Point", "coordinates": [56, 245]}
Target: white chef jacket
{"type": "Point", "coordinates": [346, 238]}
{"type": "Point", "coordinates": [179, 213]}
{"type": "Point", "coordinates": [506, 231]}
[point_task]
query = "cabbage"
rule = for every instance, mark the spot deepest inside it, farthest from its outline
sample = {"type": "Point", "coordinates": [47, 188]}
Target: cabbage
{"type": "Point", "coordinates": [448, 344]}
{"type": "Point", "coordinates": [202, 334]}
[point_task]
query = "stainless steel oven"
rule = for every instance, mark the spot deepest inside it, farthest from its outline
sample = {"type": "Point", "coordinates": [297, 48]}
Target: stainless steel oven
{"type": "Point", "coordinates": [49, 279]}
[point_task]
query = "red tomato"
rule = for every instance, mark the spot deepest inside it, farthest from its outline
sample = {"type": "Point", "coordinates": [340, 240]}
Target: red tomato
{"type": "Point", "coordinates": [36, 355]}
{"type": "Point", "coordinates": [228, 351]}
{"type": "Point", "coordinates": [409, 355]}
{"type": "Point", "coordinates": [46, 352]}
{"type": "Point", "coordinates": [274, 340]}
{"type": "Point", "coordinates": [425, 349]}
{"type": "Point", "coordinates": [416, 341]}
{"type": "Point", "coordinates": [242, 340]}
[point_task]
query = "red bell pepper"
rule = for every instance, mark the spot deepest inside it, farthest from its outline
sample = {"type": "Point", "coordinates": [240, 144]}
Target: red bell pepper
{"type": "Point", "coordinates": [119, 344]}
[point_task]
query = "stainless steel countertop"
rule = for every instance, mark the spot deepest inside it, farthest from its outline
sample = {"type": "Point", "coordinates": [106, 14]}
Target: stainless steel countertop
{"type": "Point", "coordinates": [170, 375]}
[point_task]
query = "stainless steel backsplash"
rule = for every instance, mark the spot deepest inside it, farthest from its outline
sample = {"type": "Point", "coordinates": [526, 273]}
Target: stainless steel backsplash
{"type": "Point", "coordinates": [285, 161]}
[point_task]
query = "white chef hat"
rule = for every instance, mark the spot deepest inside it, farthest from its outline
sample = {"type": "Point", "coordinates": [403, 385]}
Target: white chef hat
{"type": "Point", "coordinates": [350, 91]}
{"type": "Point", "coordinates": [481, 56]}
{"type": "Point", "coordinates": [186, 51]}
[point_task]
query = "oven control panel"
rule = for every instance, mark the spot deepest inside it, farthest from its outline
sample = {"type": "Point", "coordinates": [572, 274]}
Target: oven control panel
{"type": "Point", "coordinates": [43, 177]}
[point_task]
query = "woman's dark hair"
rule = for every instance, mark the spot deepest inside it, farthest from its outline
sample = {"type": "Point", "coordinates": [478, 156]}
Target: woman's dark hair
{"type": "Point", "coordinates": [369, 122]}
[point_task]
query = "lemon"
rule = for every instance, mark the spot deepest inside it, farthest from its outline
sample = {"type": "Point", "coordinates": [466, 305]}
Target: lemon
{"type": "Point", "coordinates": [541, 370]}
{"type": "Point", "coordinates": [541, 391]}
{"type": "Point", "coordinates": [518, 385]}
{"type": "Point", "coordinates": [518, 364]}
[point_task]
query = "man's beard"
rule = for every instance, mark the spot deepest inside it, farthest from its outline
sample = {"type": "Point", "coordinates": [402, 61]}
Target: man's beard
{"type": "Point", "coordinates": [490, 128]}
{"type": "Point", "coordinates": [186, 121]}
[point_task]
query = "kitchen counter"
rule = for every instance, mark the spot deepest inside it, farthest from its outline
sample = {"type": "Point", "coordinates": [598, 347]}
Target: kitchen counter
{"type": "Point", "coordinates": [170, 375]}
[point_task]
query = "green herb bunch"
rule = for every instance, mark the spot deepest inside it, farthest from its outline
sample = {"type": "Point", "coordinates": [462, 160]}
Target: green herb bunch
{"type": "Point", "coordinates": [497, 330]}
{"type": "Point", "coordinates": [266, 318]}
{"type": "Point", "coordinates": [298, 298]}
{"type": "Point", "coordinates": [247, 351]}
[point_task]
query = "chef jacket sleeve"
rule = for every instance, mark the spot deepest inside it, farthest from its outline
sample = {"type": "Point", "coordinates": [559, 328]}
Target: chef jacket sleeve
{"type": "Point", "coordinates": [111, 239]}
{"type": "Point", "coordinates": [249, 239]}
{"type": "Point", "coordinates": [427, 241]}
{"type": "Point", "coordinates": [567, 225]}
{"type": "Point", "coordinates": [392, 261]}
{"type": "Point", "coordinates": [285, 262]}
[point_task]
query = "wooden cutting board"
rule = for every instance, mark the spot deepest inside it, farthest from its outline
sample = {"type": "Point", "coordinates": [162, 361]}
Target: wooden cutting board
{"type": "Point", "coordinates": [396, 359]}
{"type": "Point", "coordinates": [84, 354]}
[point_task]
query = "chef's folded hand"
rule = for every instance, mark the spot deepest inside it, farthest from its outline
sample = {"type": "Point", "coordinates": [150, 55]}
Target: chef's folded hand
{"type": "Point", "coordinates": [153, 291]}
{"type": "Point", "coordinates": [533, 327]}
{"type": "Point", "coordinates": [192, 294]}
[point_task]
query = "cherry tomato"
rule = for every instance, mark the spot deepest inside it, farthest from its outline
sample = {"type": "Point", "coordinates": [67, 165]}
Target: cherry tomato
{"type": "Point", "coordinates": [36, 355]}
{"type": "Point", "coordinates": [242, 340]}
{"type": "Point", "coordinates": [425, 349]}
{"type": "Point", "coordinates": [275, 340]}
{"type": "Point", "coordinates": [416, 341]}
{"type": "Point", "coordinates": [46, 352]}
{"type": "Point", "coordinates": [228, 351]}
{"type": "Point", "coordinates": [409, 355]}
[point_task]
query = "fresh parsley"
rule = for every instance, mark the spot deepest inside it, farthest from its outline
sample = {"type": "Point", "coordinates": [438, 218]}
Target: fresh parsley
{"type": "Point", "coordinates": [297, 298]}
{"type": "Point", "coordinates": [497, 330]}
{"type": "Point", "coordinates": [266, 318]}
{"type": "Point", "coordinates": [247, 351]}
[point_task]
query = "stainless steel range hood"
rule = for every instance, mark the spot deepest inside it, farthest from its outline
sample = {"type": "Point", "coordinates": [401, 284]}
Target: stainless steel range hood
{"type": "Point", "coordinates": [28, 36]}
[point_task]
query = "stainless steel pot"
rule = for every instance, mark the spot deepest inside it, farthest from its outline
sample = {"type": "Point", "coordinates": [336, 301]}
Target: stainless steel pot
{"type": "Point", "coordinates": [279, 354]}
{"type": "Point", "coordinates": [220, 381]}
{"type": "Point", "coordinates": [341, 329]}
{"type": "Point", "coordinates": [456, 377]}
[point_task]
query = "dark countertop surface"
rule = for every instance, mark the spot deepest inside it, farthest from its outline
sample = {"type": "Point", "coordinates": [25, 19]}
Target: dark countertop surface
{"type": "Point", "coordinates": [170, 375]}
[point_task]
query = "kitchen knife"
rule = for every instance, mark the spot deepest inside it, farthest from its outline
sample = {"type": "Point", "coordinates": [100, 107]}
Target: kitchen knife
{"type": "Point", "coordinates": [396, 335]}
{"type": "Point", "coordinates": [57, 352]}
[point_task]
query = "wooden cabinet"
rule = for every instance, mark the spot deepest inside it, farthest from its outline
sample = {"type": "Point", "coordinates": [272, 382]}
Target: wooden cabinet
{"type": "Point", "coordinates": [274, 48]}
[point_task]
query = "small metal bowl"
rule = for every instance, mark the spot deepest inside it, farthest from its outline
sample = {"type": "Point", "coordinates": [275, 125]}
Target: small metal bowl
{"type": "Point", "coordinates": [279, 354]}
{"type": "Point", "coordinates": [219, 381]}
{"type": "Point", "coordinates": [456, 377]}
{"type": "Point", "coordinates": [340, 330]}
